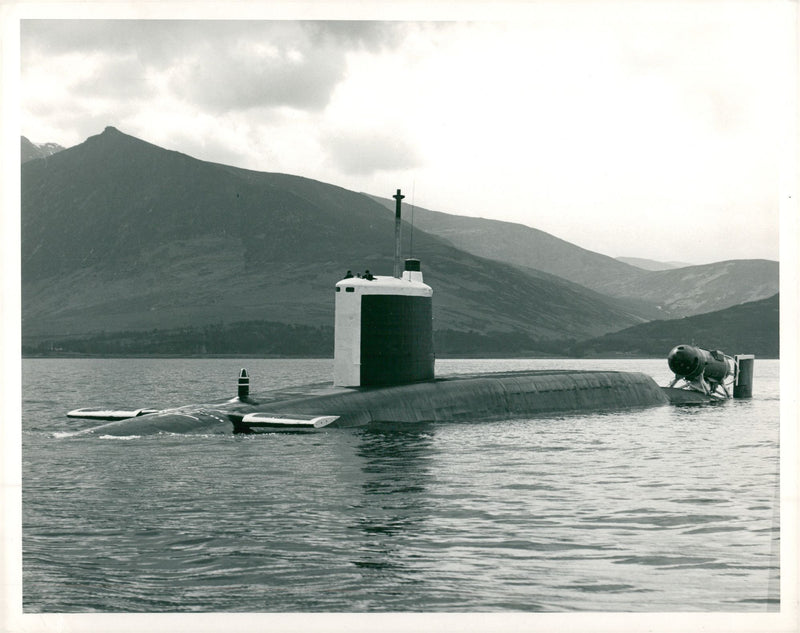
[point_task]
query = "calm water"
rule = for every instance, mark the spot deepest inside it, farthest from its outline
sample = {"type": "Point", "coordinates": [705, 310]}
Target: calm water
{"type": "Point", "coordinates": [662, 509]}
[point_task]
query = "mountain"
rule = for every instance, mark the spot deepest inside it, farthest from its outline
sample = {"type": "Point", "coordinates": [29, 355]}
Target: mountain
{"type": "Point", "coordinates": [31, 151]}
{"type": "Point", "coordinates": [749, 328]}
{"type": "Point", "coordinates": [700, 289]}
{"type": "Point", "coordinates": [119, 235]}
{"type": "Point", "coordinates": [519, 245]}
{"type": "Point", "coordinates": [650, 264]}
{"type": "Point", "coordinates": [669, 293]}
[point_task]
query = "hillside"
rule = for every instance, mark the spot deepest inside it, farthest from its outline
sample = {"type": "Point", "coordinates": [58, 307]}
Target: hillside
{"type": "Point", "coordinates": [520, 245]}
{"type": "Point", "coordinates": [121, 235]}
{"type": "Point", "coordinates": [700, 289]}
{"type": "Point", "coordinates": [669, 293]}
{"type": "Point", "coordinates": [750, 328]}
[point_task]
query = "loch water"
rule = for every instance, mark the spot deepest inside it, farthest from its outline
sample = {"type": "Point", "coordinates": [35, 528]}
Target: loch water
{"type": "Point", "coordinates": [650, 510]}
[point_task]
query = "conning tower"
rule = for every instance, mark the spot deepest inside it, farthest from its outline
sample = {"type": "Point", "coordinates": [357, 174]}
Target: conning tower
{"type": "Point", "coordinates": [384, 327]}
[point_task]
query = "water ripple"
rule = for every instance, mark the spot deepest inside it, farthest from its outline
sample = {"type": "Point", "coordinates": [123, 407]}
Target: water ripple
{"type": "Point", "coordinates": [633, 511]}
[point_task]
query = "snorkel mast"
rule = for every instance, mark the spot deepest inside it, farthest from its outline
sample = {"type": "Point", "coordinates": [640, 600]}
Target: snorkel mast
{"type": "Point", "coordinates": [398, 197]}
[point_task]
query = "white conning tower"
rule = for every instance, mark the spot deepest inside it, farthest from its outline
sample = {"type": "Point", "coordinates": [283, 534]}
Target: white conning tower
{"type": "Point", "coordinates": [384, 330]}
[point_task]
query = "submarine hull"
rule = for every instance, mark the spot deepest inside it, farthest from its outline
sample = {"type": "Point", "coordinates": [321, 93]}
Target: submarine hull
{"type": "Point", "coordinates": [481, 397]}
{"type": "Point", "coordinates": [450, 399]}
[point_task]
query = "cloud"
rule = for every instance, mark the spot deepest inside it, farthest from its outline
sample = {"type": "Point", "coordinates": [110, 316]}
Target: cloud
{"type": "Point", "coordinates": [221, 65]}
{"type": "Point", "coordinates": [250, 76]}
{"type": "Point", "coordinates": [365, 152]}
{"type": "Point", "coordinates": [294, 64]}
{"type": "Point", "coordinates": [116, 77]}
{"type": "Point", "coordinates": [373, 36]}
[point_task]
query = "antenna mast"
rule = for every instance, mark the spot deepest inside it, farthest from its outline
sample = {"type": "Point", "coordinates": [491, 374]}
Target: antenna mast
{"type": "Point", "coordinates": [413, 193]}
{"type": "Point", "coordinates": [398, 197]}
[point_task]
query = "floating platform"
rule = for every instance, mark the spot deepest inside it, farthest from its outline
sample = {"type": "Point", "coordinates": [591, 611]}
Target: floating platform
{"type": "Point", "coordinates": [688, 396]}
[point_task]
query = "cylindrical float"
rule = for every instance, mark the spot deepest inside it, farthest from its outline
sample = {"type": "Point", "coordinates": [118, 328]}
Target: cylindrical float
{"type": "Point", "coordinates": [743, 378]}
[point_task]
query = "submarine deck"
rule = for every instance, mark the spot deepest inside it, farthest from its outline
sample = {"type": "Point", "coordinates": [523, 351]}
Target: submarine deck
{"type": "Point", "coordinates": [328, 388]}
{"type": "Point", "coordinates": [463, 397]}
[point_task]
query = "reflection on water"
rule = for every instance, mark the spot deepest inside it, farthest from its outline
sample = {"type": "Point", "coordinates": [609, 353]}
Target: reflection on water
{"type": "Point", "coordinates": [396, 460]}
{"type": "Point", "coordinates": [396, 468]}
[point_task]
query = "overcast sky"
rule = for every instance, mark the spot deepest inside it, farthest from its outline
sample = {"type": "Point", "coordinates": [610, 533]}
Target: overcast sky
{"type": "Point", "coordinates": [646, 129]}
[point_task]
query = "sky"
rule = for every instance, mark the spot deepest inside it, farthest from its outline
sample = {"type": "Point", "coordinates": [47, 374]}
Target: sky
{"type": "Point", "coordinates": [642, 129]}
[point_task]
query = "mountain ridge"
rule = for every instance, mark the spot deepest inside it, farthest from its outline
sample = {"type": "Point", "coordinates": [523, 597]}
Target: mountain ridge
{"type": "Point", "coordinates": [120, 234]}
{"type": "Point", "coordinates": [32, 151]}
{"type": "Point", "coordinates": [747, 328]}
{"type": "Point", "coordinates": [485, 237]}
{"type": "Point", "coordinates": [651, 264]}
{"type": "Point", "coordinates": [673, 293]}
{"type": "Point", "coordinates": [739, 329]}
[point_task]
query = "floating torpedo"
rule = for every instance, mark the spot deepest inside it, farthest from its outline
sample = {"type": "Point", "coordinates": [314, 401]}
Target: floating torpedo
{"type": "Point", "coordinates": [702, 375]}
{"type": "Point", "coordinates": [384, 372]}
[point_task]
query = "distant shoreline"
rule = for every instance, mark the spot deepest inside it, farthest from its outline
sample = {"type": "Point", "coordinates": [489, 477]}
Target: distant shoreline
{"type": "Point", "coordinates": [73, 356]}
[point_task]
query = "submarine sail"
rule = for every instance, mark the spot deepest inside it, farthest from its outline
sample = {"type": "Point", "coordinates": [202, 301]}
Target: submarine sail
{"type": "Point", "coordinates": [383, 332]}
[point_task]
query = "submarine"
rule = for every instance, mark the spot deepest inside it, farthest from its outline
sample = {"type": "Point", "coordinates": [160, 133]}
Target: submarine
{"type": "Point", "coordinates": [383, 372]}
